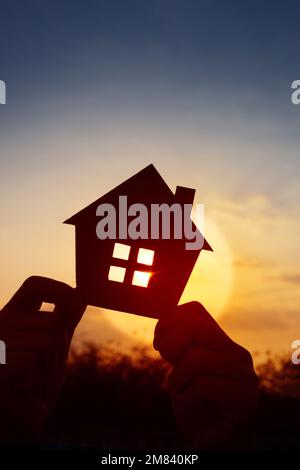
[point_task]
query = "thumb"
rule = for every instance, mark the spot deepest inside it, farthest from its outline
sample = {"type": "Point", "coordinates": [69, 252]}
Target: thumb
{"type": "Point", "coordinates": [176, 315]}
{"type": "Point", "coordinates": [71, 311]}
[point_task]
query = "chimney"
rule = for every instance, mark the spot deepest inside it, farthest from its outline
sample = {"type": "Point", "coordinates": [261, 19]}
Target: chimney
{"type": "Point", "coordinates": [184, 195]}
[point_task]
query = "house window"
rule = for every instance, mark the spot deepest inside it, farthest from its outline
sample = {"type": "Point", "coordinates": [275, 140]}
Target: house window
{"type": "Point", "coordinates": [116, 274]}
{"type": "Point", "coordinates": [121, 251]}
{"type": "Point", "coordinates": [144, 257]}
{"type": "Point", "coordinates": [140, 278]}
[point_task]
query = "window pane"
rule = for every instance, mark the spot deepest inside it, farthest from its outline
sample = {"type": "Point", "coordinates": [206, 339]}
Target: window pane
{"type": "Point", "coordinates": [141, 278]}
{"type": "Point", "coordinates": [121, 251]}
{"type": "Point", "coordinates": [145, 256]}
{"type": "Point", "coordinates": [116, 274]}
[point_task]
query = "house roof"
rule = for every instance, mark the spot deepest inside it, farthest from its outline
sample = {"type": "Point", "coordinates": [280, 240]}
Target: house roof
{"type": "Point", "coordinates": [146, 182]}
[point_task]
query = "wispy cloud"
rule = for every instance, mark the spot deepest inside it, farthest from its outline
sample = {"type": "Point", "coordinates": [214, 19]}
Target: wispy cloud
{"type": "Point", "coordinates": [293, 278]}
{"type": "Point", "coordinates": [259, 208]}
{"type": "Point", "coordinates": [263, 319]}
{"type": "Point", "coordinates": [249, 262]}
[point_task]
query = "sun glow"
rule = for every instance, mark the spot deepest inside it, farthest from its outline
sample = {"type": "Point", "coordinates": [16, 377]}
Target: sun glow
{"type": "Point", "coordinates": [116, 274]}
{"type": "Point", "coordinates": [145, 256]}
{"type": "Point", "coordinates": [140, 278]}
{"type": "Point", "coordinates": [210, 283]}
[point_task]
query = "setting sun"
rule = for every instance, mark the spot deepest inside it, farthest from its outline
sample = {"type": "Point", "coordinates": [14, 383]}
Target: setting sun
{"type": "Point", "coordinates": [140, 278]}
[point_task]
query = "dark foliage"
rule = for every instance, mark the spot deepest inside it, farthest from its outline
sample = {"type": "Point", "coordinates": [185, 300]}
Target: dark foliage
{"type": "Point", "coordinates": [112, 400]}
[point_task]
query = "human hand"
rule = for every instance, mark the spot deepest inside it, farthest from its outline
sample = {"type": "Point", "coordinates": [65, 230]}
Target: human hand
{"type": "Point", "coordinates": [37, 346]}
{"type": "Point", "coordinates": [213, 383]}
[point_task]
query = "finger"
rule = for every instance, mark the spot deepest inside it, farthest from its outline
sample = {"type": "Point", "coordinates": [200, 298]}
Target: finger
{"type": "Point", "coordinates": [199, 362]}
{"type": "Point", "coordinates": [72, 312]}
{"type": "Point", "coordinates": [190, 314]}
{"type": "Point", "coordinates": [23, 415]}
{"type": "Point", "coordinates": [33, 321]}
{"type": "Point", "coordinates": [31, 382]}
{"type": "Point", "coordinates": [18, 365]}
{"type": "Point", "coordinates": [171, 317]}
{"type": "Point", "coordinates": [198, 309]}
{"type": "Point", "coordinates": [36, 290]}
{"type": "Point", "coordinates": [205, 398]}
{"type": "Point", "coordinates": [30, 341]}
{"type": "Point", "coordinates": [191, 329]}
{"type": "Point", "coordinates": [227, 397]}
{"type": "Point", "coordinates": [175, 344]}
{"type": "Point", "coordinates": [56, 369]}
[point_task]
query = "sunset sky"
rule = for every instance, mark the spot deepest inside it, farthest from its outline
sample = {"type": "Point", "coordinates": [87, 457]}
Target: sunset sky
{"type": "Point", "coordinates": [97, 90]}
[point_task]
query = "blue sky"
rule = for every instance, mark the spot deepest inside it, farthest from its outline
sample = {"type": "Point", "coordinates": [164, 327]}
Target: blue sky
{"type": "Point", "coordinates": [222, 69]}
{"type": "Point", "coordinates": [125, 50]}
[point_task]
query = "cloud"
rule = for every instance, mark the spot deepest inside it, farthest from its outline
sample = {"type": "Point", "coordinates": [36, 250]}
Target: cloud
{"type": "Point", "coordinates": [289, 278]}
{"type": "Point", "coordinates": [260, 319]}
{"type": "Point", "coordinates": [292, 278]}
{"type": "Point", "coordinates": [248, 262]}
{"type": "Point", "coordinates": [251, 321]}
{"type": "Point", "coordinates": [259, 208]}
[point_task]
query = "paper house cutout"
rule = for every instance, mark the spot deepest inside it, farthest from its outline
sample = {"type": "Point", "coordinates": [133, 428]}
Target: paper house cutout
{"type": "Point", "coordinates": [143, 276]}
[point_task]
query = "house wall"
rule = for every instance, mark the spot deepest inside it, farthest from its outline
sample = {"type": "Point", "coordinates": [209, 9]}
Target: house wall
{"type": "Point", "coordinates": [171, 269]}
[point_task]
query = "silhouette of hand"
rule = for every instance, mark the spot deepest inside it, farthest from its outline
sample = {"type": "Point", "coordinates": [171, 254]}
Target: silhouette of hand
{"type": "Point", "coordinates": [37, 346]}
{"type": "Point", "coordinates": [213, 383]}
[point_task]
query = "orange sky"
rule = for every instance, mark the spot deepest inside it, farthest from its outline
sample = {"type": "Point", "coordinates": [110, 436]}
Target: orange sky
{"type": "Point", "coordinates": [249, 283]}
{"type": "Point", "coordinates": [95, 94]}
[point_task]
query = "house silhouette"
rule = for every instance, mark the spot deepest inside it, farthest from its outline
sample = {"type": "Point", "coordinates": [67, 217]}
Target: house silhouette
{"type": "Point", "coordinates": [142, 276]}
